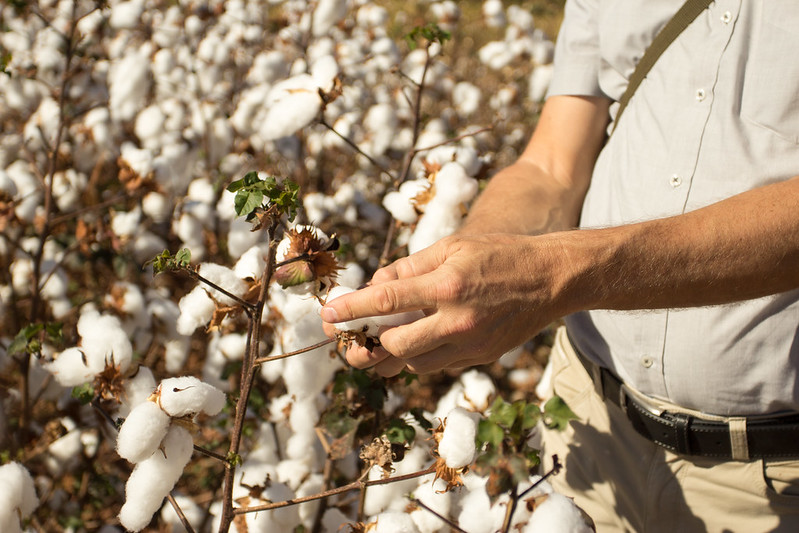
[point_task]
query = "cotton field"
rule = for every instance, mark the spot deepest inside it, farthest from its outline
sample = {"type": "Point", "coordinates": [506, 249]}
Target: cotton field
{"type": "Point", "coordinates": [183, 184]}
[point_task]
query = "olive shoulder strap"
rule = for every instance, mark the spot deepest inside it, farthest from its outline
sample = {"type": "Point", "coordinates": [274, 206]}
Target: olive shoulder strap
{"type": "Point", "coordinates": [686, 14]}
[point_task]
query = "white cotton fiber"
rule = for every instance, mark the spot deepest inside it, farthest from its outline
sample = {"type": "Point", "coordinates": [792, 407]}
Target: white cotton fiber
{"type": "Point", "coordinates": [453, 185]}
{"type": "Point", "coordinates": [70, 368]}
{"type": "Point", "coordinates": [394, 522]}
{"type": "Point", "coordinates": [557, 514]}
{"type": "Point", "coordinates": [196, 309]}
{"type": "Point", "coordinates": [478, 389]}
{"type": "Point", "coordinates": [153, 478]}
{"type": "Point", "coordinates": [457, 446]}
{"type": "Point", "coordinates": [433, 495]}
{"type": "Point", "coordinates": [103, 340]}
{"type": "Point", "coordinates": [188, 396]}
{"type": "Point", "coordinates": [142, 432]}
{"type": "Point", "coordinates": [17, 492]}
{"type": "Point", "coordinates": [225, 278]}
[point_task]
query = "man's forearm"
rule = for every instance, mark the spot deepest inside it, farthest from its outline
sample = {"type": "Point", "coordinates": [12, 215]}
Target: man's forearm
{"type": "Point", "coordinates": [741, 248]}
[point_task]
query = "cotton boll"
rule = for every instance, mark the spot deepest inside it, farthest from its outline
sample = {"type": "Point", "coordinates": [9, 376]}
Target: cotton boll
{"type": "Point", "coordinates": [287, 517]}
{"type": "Point", "coordinates": [71, 368]}
{"type": "Point", "coordinates": [466, 98]}
{"type": "Point", "coordinates": [326, 15]}
{"type": "Point", "coordinates": [454, 186]}
{"type": "Point", "coordinates": [196, 309]}
{"type": "Point", "coordinates": [433, 495]}
{"type": "Point", "coordinates": [478, 389]}
{"type": "Point", "coordinates": [153, 478]}
{"type": "Point", "coordinates": [129, 83]}
{"type": "Point", "coordinates": [494, 13]}
{"type": "Point", "coordinates": [188, 395]}
{"type": "Point", "coordinates": [103, 340]}
{"type": "Point", "coordinates": [293, 104]}
{"type": "Point", "coordinates": [29, 196]}
{"type": "Point", "coordinates": [539, 82]}
{"type": "Point", "coordinates": [391, 496]}
{"type": "Point", "coordinates": [67, 189]}
{"type": "Point", "coordinates": [495, 55]}
{"type": "Point", "coordinates": [125, 15]}
{"type": "Point", "coordinates": [521, 18]}
{"type": "Point", "coordinates": [225, 278]}
{"type": "Point", "coordinates": [394, 522]}
{"type": "Point", "coordinates": [63, 453]}
{"type": "Point", "coordinates": [476, 508]}
{"type": "Point", "coordinates": [137, 389]}
{"type": "Point", "coordinates": [157, 206]}
{"type": "Point", "coordinates": [126, 223]}
{"type": "Point", "coordinates": [457, 445]}
{"type": "Point", "coordinates": [251, 264]}
{"type": "Point", "coordinates": [557, 514]}
{"type": "Point", "coordinates": [439, 221]}
{"type": "Point", "coordinates": [17, 493]}
{"type": "Point", "coordinates": [400, 207]}
{"type": "Point", "coordinates": [142, 432]}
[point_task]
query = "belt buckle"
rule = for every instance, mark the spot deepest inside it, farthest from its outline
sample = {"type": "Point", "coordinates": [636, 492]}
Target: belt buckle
{"type": "Point", "coordinates": [625, 397]}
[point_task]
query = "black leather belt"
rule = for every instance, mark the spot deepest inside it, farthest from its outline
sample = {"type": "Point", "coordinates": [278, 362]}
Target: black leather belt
{"type": "Point", "coordinates": [766, 436]}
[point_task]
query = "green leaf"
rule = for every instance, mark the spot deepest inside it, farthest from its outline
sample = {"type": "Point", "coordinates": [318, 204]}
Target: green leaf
{"type": "Point", "coordinates": [234, 459]}
{"type": "Point", "coordinates": [530, 415]}
{"type": "Point", "coordinates": [249, 179]}
{"type": "Point", "coordinates": [504, 413]}
{"type": "Point", "coordinates": [399, 431]}
{"type": "Point", "coordinates": [247, 201]}
{"type": "Point", "coordinates": [83, 393]}
{"type": "Point", "coordinates": [490, 433]}
{"type": "Point", "coordinates": [183, 257]}
{"type": "Point", "coordinates": [557, 414]}
{"type": "Point", "coordinates": [25, 341]}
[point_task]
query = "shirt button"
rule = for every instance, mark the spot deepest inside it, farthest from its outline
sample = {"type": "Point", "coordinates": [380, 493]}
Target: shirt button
{"type": "Point", "coordinates": [647, 361]}
{"type": "Point", "coordinates": [726, 17]}
{"type": "Point", "coordinates": [675, 181]}
{"type": "Point", "coordinates": [700, 94]}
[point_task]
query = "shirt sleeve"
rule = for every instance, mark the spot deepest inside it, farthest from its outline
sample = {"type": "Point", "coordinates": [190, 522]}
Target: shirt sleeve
{"type": "Point", "coordinates": [577, 58]}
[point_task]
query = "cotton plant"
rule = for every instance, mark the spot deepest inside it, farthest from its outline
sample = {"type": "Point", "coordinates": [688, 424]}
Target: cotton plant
{"type": "Point", "coordinates": [156, 437]}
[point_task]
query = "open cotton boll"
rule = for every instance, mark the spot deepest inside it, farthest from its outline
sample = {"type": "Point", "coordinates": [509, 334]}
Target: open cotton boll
{"type": "Point", "coordinates": [439, 220]}
{"type": "Point", "coordinates": [478, 389]}
{"type": "Point", "coordinates": [453, 185]}
{"type": "Point", "coordinates": [557, 514]}
{"type": "Point", "coordinates": [401, 207]}
{"type": "Point", "coordinates": [252, 263]}
{"type": "Point", "coordinates": [494, 13]}
{"type": "Point", "coordinates": [433, 494]}
{"type": "Point", "coordinates": [129, 82]}
{"type": "Point", "coordinates": [17, 493]}
{"type": "Point", "coordinates": [71, 368]}
{"type": "Point", "coordinates": [138, 388]}
{"type": "Point", "coordinates": [394, 522]}
{"type": "Point", "coordinates": [104, 341]}
{"type": "Point", "coordinates": [476, 508]}
{"type": "Point", "coordinates": [292, 110]}
{"type": "Point", "coordinates": [225, 278]}
{"type": "Point", "coordinates": [196, 309]}
{"type": "Point", "coordinates": [466, 98]}
{"type": "Point", "coordinates": [457, 445]}
{"type": "Point", "coordinates": [539, 82]}
{"type": "Point", "coordinates": [153, 478]}
{"type": "Point", "coordinates": [188, 395]}
{"type": "Point", "coordinates": [142, 432]}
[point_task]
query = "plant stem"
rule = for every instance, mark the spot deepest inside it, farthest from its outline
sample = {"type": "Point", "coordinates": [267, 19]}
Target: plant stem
{"type": "Point", "coordinates": [262, 360]}
{"type": "Point", "coordinates": [247, 378]}
{"type": "Point", "coordinates": [179, 511]}
{"type": "Point", "coordinates": [244, 303]}
{"type": "Point", "coordinates": [355, 485]}
{"type": "Point", "coordinates": [444, 519]}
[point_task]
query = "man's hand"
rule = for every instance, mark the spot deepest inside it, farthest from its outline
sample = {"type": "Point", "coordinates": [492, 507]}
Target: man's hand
{"type": "Point", "coordinates": [482, 296]}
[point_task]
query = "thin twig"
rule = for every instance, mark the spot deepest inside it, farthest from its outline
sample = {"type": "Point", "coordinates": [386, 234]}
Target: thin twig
{"type": "Point", "coordinates": [357, 148]}
{"type": "Point", "coordinates": [355, 485]}
{"type": "Point", "coordinates": [179, 511]}
{"type": "Point", "coordinates": [262, 360]}
{"type": "Point", "coordinates": [209, 453]}
{"type": "Point", "coordinates": [446, 520]}
{"type": "Point", "coordinates": [242, 302]}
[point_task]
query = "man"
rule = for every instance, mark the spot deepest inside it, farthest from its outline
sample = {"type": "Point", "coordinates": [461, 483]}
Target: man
{"type": "Point", "coordinates": [681, 283]}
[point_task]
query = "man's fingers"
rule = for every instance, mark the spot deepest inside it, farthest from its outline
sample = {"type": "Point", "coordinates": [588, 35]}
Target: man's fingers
{"type": "Point", "coordinates": [391, 366]}
{"type": "Point", "coordinates": [360, 357]}
{"type": "Point", "coordinates": [384, 299]}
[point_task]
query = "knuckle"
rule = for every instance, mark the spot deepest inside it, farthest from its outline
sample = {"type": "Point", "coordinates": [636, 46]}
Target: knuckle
{"type": "Point", "coordinates": [385, 300]}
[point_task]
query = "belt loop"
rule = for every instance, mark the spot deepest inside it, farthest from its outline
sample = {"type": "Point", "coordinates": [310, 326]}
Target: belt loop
{"type": "Point", "coordinates": [738, 442]}
{"type": "Point", "coordinates": [682, 425]}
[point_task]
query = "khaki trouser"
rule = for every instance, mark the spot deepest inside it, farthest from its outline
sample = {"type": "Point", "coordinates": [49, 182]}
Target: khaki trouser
{"type": "Point", "coordinates": [627, 483]}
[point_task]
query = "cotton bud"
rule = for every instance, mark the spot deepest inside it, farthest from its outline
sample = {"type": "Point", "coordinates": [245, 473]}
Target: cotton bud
{"type": "Point", "coordinates": [312, 259]}
{"type": "Point", "coordinates": [188, 395]}
{"type": "Point", "coordinates": [142, 432]}
{"type": "Point", "coordinates": [457, 446]}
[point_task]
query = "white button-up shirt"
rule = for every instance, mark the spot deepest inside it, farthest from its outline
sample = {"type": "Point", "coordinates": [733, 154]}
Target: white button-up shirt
{"type": "Point", "coordinates": [717, 115]}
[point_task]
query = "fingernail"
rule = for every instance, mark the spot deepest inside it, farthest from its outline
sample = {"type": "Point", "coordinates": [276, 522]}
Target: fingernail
{"type": "Point", "coordinates": [329, 315]}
